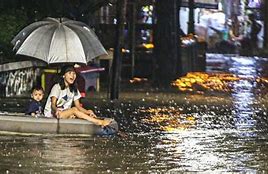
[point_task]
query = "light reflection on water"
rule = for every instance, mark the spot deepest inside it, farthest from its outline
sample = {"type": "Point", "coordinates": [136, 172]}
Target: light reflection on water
{"type": "Point", "coordinates": [187, 150]}
{"type": "Point", "coordinates": [164, 136]}
{"type": "Point", "coordinates": [201, 151]}
{"type": "Point", "coordinates": [242, 94]}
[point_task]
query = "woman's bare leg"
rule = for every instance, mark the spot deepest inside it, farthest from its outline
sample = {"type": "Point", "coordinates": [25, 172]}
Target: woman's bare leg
{"type": "Point", "coordinates": [74, 111]}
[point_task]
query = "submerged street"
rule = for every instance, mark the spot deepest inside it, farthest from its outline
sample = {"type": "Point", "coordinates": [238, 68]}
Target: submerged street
{"type": "Point", "coordinates": [198, 130]}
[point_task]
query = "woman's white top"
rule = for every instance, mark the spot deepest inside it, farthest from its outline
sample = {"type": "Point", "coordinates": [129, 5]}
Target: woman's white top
{"type": "Point", "coordinates": [64, 97]}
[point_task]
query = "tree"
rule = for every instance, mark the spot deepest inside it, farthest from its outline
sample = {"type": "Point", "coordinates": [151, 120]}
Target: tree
{"type": "Point", "coordinates": [166, 42]}
{"type": "Point", "coordinates": [117, 62]}
{"type": "Point", "coordinates": [191, 5]}
{"type": "Point", "coordinates": [11, 21]}
{"type": "Point", "coordinates": [264, 12]}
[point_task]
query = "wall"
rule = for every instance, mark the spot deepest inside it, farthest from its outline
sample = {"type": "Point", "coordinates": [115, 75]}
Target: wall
{"type": "Point", "coordinates": [18, 83]}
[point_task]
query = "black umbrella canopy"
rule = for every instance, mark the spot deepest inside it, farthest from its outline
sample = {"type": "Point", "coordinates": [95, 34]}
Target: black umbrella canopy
{"type": "Point", "coordinates": [58, 40]}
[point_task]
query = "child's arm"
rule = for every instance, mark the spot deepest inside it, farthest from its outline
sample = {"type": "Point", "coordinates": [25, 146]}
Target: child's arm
{"type": "Point", "coordinates": [31, 109]}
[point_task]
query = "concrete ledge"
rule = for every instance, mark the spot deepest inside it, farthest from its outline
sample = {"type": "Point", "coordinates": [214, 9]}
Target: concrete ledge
{"type": "Point", "coordinates": [28, 124]}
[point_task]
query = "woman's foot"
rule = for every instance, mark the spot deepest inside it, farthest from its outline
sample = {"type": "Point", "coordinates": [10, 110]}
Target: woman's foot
{"type": "Point", "coordinates": [105, 122]}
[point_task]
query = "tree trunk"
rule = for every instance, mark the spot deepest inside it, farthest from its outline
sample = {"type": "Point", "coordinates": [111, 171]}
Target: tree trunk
{"type": "Point", "coordinates": [166, 42]}
{"type": "Point", "coordinates": [191, 16]}
{"type": "Point", "coordinates": [180, 34]}
{"type": "Point", "coordinates": [117, 61]}
{"type": "Point", "coordinates": [132, 34]}
{"type": "Point", "coordinates": [265, 36]}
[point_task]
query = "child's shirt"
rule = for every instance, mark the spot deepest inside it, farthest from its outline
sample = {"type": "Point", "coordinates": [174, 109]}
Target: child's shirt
{"type": "Point", "coordinates": [34, 107]}
{"type": "Point", "coordinates": [64, 97]}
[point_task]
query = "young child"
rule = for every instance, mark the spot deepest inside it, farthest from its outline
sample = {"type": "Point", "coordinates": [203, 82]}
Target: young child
{"type": "Point", "coordinates": [35, 107]}
{"type": "Point", "coordinates": [64, 95]}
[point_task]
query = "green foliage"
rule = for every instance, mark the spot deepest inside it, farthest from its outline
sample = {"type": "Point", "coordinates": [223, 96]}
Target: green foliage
{"type": "Point", "coordinates": [11, 22]}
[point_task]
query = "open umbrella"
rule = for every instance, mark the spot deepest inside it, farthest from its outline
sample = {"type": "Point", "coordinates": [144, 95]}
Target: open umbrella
{"type": "Point", "coordinates": [58, 41]}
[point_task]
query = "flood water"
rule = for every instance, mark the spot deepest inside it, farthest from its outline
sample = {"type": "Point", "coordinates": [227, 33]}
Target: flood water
{"type": "Point", "coordinates": [162, 132]}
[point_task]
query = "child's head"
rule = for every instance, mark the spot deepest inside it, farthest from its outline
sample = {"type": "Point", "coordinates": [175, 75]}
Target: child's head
{"type": "Point", "coordinates": [37, 93]}
{"type": "Point", "coordinates": [69, 75]}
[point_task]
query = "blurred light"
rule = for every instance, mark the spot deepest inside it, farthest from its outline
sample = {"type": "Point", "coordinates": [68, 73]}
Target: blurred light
{"type": "Point", "coordinates": [138, 80]}
{"type": "Point", "coordinates": [200, 81]}
{"type": "Point", "coordinates": [169, 119]}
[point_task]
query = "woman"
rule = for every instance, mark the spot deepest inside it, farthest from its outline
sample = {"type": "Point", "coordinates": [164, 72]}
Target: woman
{"type": "Point", "coordinates": [64, 95]}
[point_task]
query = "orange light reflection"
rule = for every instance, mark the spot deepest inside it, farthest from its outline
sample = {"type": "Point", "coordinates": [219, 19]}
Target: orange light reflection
{"type": "Point", "coordinates": [169, 119]}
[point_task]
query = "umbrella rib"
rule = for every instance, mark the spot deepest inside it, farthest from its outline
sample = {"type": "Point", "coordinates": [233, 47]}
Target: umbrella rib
{"type": "Point", "coordinates": [65, 38]}
{"type": "Point", "coordinates": [29, 45]}
{"type": "Point", "coordinates": [51, 46]}
{"type": "Point", "coordinates": [84, 37]}
{"type": "Point", "coordinates": [41, 40]}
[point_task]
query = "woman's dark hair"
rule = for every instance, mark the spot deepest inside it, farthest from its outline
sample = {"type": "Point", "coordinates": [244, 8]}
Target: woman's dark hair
{"type": "Point", "coordinates": [64, 70]}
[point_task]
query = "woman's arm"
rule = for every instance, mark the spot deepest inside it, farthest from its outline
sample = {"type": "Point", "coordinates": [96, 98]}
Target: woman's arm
{"type": "Point", "coordinates": [54, 106]}
{"type": "Point", "coordinates": [89, 112]}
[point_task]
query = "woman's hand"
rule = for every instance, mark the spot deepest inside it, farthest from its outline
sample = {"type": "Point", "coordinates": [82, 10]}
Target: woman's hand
{"type": "Point", "coordinates": [91, 113]}
{"type": "Point", "coordinates": [58, 112]}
